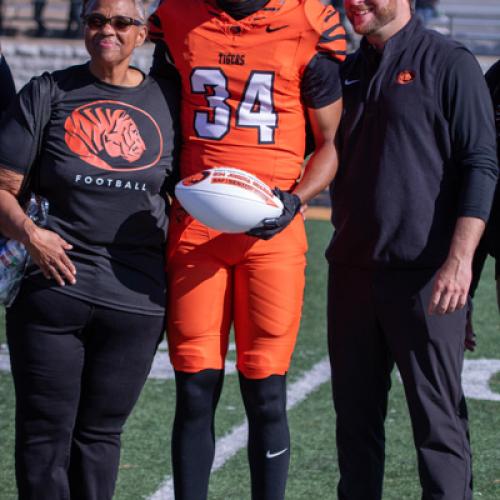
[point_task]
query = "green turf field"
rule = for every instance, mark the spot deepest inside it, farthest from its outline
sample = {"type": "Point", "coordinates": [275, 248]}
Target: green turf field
{"type": "Point", "coordinates": [313, 473]}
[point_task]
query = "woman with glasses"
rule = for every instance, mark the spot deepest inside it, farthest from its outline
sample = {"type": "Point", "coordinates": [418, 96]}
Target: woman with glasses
{"type": "Point", "coordinates": [84, 327]}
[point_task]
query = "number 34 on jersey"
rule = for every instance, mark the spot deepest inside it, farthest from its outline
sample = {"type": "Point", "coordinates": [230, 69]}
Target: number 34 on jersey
{"type": "Point", "coordinates": [241, 81]}
{"type": "Point", "coordinates": [255, 110]}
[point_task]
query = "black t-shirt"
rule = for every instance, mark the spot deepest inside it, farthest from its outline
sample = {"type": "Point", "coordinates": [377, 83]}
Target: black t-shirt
{"type": "Point", "coordinates": [106, 160]}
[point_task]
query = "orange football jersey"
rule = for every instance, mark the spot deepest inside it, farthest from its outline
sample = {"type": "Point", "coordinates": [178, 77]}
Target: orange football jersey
{"type": "Point", "coordinates": [241, 102]}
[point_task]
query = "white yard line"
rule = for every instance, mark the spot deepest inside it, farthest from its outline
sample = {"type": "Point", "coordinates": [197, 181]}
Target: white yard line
{"type": "Point", "coordinates": [476, 376]}
{"type": "Point", "coordinates": [227, 446]}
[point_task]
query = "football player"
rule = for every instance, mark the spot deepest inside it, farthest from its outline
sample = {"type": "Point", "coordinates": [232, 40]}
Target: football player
{"type": "Point", "coordinates": [251, 73]}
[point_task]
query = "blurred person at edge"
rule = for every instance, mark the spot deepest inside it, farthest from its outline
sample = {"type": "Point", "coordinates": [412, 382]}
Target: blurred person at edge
{"type": "Point", "coordinates": [38, 8]}
{"type": "Point", "coordinates": [417, 174]}
{"type": "Point", "coordinates": [1, 17]}
{"type": "Point", "coordinates": [490, 243]}
{"type": "Point", "coordinates": [6, 84]}
{"type": "Point", "coordinates": [73, 23]}
{"type": "Point", "coordinates": [84, 328]}
{"type": "Point", "coordinates": [426, 9]}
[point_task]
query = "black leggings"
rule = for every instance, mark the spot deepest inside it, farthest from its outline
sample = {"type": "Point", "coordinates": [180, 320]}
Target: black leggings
{"type": "Point", "coordinates": [78, 370]}
{"type": "Point", "coordinates": [193, 437]}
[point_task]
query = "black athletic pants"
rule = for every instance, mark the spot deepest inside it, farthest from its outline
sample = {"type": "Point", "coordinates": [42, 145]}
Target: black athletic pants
{"type": "Point", "coordinates": [193, 435]}
{"type": "Point", "coordinates": [78, 370]}
{"type": "Point", "coordinates": [376, 319]}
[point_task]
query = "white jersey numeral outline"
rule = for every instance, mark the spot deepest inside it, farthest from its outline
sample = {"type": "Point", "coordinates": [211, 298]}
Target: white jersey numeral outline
{"type": "Point", "coordinates": [213, 125]}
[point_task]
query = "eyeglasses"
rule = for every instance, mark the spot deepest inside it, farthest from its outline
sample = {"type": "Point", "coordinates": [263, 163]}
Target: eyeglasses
{"type": "Point", "coordinates": [119, 23]}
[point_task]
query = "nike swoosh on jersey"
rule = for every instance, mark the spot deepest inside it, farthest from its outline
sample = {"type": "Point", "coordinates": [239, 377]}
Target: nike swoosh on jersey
{"type": "Point", "coordinates": [277, 454]}
{"type": "Point", "coordinates": [351, 82]}
{"type": "Point", "coordinates": [271, 29]}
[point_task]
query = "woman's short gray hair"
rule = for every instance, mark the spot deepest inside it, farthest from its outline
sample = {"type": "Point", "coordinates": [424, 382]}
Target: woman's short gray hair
{"type": "Point", "coordinates": [139, 7]}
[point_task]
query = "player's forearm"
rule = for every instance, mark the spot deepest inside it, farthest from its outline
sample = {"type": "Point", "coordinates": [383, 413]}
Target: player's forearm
{"type": "Point", "coordinates": [322, 166]}
{"type": "Point", "coordinates": [319, 173]}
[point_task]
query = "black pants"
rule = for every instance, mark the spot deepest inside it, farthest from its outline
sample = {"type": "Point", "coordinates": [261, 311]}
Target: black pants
{"type": "Point", "coordinates": [78, 370]}
{"type": "Point", "coordinates": [376, 320]}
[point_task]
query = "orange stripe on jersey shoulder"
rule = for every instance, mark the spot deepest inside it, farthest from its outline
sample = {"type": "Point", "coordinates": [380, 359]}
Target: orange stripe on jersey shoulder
{"type": "Point", "coordinates": [325, 20]}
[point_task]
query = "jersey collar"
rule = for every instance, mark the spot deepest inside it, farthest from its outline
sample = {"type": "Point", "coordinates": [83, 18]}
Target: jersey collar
{"type": "Point", "coordinates": [260, 17]}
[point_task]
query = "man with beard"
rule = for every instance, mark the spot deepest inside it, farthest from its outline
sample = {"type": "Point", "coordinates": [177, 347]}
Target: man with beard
{"type": "Point", "coordinates": [416, 179]}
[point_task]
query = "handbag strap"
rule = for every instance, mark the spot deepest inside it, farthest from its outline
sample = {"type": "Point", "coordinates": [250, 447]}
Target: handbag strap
{"type": "Point", "coordinates": [42, 94]}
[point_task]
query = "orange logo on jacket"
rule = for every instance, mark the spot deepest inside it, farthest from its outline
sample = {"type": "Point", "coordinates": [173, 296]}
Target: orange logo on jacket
{"type": "Point", "coordinates": [107, 135]}
{"type": "Point", "coordinates": [405, 77]}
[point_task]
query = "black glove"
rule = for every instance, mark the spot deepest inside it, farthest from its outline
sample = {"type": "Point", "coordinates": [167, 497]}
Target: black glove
{"type": "Point", "coordinates": [270, 227]}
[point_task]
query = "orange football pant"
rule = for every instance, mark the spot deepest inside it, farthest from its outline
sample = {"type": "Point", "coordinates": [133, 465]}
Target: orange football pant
{"type": "Point", "coordinates": [216, 279]}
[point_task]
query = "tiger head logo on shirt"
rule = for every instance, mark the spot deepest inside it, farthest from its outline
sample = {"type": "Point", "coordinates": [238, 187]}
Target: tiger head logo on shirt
{"type": "Point", "coordinates": [107, 135]}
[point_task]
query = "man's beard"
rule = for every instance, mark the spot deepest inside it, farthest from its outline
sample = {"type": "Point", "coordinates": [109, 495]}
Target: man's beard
{"type": "Point", "coordinates": [381, 16]}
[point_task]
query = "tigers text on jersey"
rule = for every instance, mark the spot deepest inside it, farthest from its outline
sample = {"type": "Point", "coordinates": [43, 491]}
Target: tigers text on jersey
{"type": "Point", "coordinates": [241, 81]}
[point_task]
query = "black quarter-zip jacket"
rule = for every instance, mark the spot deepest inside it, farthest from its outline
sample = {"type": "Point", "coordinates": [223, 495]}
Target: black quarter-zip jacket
{"type": "Point", "coordinates": [417, 151]}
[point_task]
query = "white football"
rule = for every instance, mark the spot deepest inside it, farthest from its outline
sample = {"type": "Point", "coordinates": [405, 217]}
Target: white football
{"type": "Point", "coordinates": [228, 199]}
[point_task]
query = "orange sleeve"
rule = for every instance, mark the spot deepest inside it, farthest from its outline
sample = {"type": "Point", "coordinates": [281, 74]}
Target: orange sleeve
{"type": "Point", "coordinates": [326, 22]}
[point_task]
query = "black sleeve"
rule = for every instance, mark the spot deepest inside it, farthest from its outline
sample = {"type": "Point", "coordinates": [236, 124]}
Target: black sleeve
{"type": "Point", "coordinates": [7, 85]}
{"type": "Point", "coordinates": [490, 243]}
{"type": "Point", "coordinates": [163, 66]}
{"type": "Point", "coordinates": [19, 131]}
{"type": "Point", "coordinates": [493, 77]}
{"type": "Point", "coordinates": [493, 230]}
{"type": "Point", "coordinates": [477, 266]}
{"type": "Point", "coordinates": [492, 235]}
{"type": "Point", "coordinates": [172, 94]}
{"type": "Point", "coordinates": [493, 80]}
{"type": "Point", "coordinates": [321, 83]}
{"type": "Point", "coordinates": [467, 106]}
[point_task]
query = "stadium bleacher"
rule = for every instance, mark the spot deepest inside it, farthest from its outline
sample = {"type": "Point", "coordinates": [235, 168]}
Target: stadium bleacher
{"type": "Point", "coordinates": [476, 24]}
